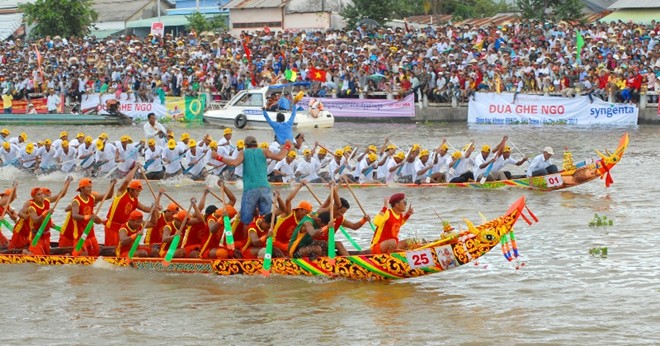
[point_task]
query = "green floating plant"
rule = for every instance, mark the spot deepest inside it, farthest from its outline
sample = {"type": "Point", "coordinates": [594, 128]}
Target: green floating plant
{"type": "Point", "coordinates": [600, 220]}
{"type": "Point", "coordinates": [598, 252]}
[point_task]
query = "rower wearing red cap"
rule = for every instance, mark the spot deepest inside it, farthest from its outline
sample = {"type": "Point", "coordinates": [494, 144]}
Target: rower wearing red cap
{"type": "Point", "coordinates": [388, 223]}
{"type": "Point", "coordinates": [157, 222]}
{"type": "Point", "coordinates": [173, 228]}
{"type": "Point", "coordinates": [6, 197]}
{"type": "Point", "coordinates": [258, 232]}
{"type": "Point", "coordinates": [125, 201]}
{"type": "Point", "coordinates": [127, 234]}
{"type": "Point", "coordinates": [37, 211]}
{"type": "Point", "coordinates": [81, 211]}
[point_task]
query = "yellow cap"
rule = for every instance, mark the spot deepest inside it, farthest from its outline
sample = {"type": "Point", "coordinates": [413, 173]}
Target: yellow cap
{"type": "Point", "coordinates": [185, 136]}
{"type": "Point", "coordinates": [23, 135]}
{"type": "Point", "coordinates": [29, 148]}
{"type": "Point", "coordinates": [65, 143]}
{"type": "Point", "coordinates": [292, 154]}
{"type": "Point", "coordinates": [322, 151]}
{"type": "Point", "coordinates": [348, 148]}
{"type": "Point", "coordinates": [171, 144]}
{"type": "Point", "coordinates": [506, 149]}
{"type": "Point", "coordinates": [485, 148]}
{"type": "Point", "coordinates": [99, 145]}
{"type": "Point", "coordinates": [457, 155]}
{"type": "Point", "coordinates": [47, 142]}
{"type": "Point", "coordinates": [400, 155]}
{"type": "Point", "coordinates": [339, 152]}
{"type": "Point", "coordinates": [444, 147]}
{"type": "Point", "coordinates": [151, 142]}
{"type": "Point", "coordinates": [213, 144]}
{"type": "Point", "coordinates": [307, 152]}
{"type": "Point", "coordinates": [125, 138]}
{"type": "Point", "coordinates": [227, 131]}
{"type": "Point", "coordinates": [170, 133]}
{"type": "Point", "coordinates": [6, 145]}
{"type": "Point", "coordinates": [373, 148]}
{"type": "Point", "coordinates": [263, 145]}
{"type": "Point", "coordinates": [192, 143]}
{"type": "Point", "coordinates": [240, 144]}
{"type": "Point", "coordinates": [373, 157]}
{"type": "Point", "coordinates": [80, 134]}
{"type": "Point", "coordinates": [424, 152]}
{"type": "Point", "coordinates": [5, 132]}
{"type": "Point", "coordinates": [64, 133]}
{"type": "Point", "coordinates": [391, 146]}
{"type": "Point", "coordinates": [88, 139]}
{"type": "Point", "coordinates": [415, 147]}
{"type": "Point", "coordinates": [103, 135]}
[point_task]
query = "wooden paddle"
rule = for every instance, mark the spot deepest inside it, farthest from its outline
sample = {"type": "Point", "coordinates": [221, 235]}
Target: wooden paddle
{"type": "Point", "coordinates": [350, 157]}
{"type": "Point", "coordinates": [332, 253]}
{"type": "Point", "coordinates": [172, 199]}
{"type": "Point", "coordinates": [46, 220]}
{"type": "Point", "coordinates": [341, 228]}
{"type": "Point", "coordinates": [6, 206]}
{"type": "Point", "coordinates": [268, 256]}
{"type": "Point", "coordinates": [227, 222]}
{"type": "Point", "coordinates": [175, 241]}
{"type": "Point", "coordinates": [88, 228]}
{"type": "Point", "coordinates": [144, 176]}
{"type": "Point", "coordinates": [373, 228]}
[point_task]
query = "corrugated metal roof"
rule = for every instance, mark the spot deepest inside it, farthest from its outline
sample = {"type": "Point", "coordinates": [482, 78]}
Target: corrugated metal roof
{"type": "Point", "coordinates": [241, 4]}
{"type": "Point", "coordinates": [430, 19]}
{"type": "Point", "coordinates": [636, 4]}
{"type": "Point", "coordinates": [122, 10]}
{"type": "Point", "coordinates": [9, 23]}
{"type": "Point", "coordinates": [638, 16]}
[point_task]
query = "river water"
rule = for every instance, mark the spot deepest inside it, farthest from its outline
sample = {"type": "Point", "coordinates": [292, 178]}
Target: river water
{"type": "Point", "coordinates": [563, 295]}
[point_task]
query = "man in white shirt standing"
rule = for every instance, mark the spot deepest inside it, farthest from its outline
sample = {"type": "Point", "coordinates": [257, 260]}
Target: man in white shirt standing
{"type": "Point", "coordinates": [153, 129]}
{"type": "Point", "coordinates": [52, 102]}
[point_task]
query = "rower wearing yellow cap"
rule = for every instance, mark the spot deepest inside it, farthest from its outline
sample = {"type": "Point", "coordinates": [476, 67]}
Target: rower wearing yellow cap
{"type": "Point", "coordinates": [172, 155]}
{"type": "Point", "coordinates": [67, 157]}
{"type": "Point", "coordinates": [28, 157]}
{"type": "Point", "coordinates": [78, 141]}
{"type": "Point", "coordinates": [196, 160]}
{"type": "Point", "coordinates": [459, 171]}
{"type": "Point", "coordinates": [4, 135]}
{"type": "Point", "coordinates": [366, 168]}
{"type": "Point", "coordinates": [225, 148]}
{"type": "Point", "coordinates": [422, 166]}
{"type": "Point", "coordinates": [20, 140]}
{"type": "Point", "coordinates": [126, 154]}
{"type": "Point", "coordinates": [104, 157]}
{"type": "Point", "coordinates": [216, 166]}
{"type": "Point", "coordinates": [284, 170]}
{"type": "Point", "coordinates": [153, 156]}
{"type": "Point", "coordinates": [9, 154]}
{"type": "Point", "coordinates": [86, 152]}
{"type": "Point", "coordinates": [46, 156]}
{"type": "Point", "coordinates": [64, 136]}
{"type": "Point", "coordinates": [183, 144]}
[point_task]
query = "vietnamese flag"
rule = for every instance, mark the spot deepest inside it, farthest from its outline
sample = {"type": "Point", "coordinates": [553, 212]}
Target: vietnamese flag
{"type": "Point", "coordinates": [317, 75]}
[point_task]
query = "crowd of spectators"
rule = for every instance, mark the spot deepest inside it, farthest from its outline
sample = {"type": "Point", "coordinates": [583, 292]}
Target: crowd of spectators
{"type": "Point", "coordinates": [622, 59]}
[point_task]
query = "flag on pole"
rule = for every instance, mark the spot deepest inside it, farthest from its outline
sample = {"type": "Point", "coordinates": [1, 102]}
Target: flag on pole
{"type": "Point", "coordinates": [579, 43]}
{"type": "Point", "coordinates": [290, 75]}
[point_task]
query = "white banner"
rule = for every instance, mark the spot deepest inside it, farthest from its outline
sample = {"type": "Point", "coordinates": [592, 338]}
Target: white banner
{"type": "Point", "coordinates": [135, 110]}
{"type": "Point", "coordinates": [500, 109]}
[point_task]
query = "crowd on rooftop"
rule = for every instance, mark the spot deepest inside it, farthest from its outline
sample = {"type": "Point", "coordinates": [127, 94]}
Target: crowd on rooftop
{"type": "Point", "coordinates": [622, 59]}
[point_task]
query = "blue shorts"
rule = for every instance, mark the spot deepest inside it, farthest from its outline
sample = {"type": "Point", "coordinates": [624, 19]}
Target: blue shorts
{"type": "Point", "coordinates": [261, 198]}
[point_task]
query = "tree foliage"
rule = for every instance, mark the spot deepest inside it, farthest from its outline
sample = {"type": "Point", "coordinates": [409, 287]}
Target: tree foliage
{"type": "Point", "coordinates": [546, 9]}
{"type": "Point", "coordinates": [59, 17]}
{"type": "Point", "coordinates": [199, 23]}
{"type": "Point", "coordinates": [362, 9]}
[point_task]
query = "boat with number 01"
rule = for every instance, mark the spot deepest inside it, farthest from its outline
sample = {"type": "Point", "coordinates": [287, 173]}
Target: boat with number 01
{"type": "Point", "coordinates": [425, 259]}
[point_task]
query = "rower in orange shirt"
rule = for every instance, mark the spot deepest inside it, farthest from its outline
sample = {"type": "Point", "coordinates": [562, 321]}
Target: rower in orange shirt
{"type": "Point", "coordinates": [289, 219]}
{"type": "Point", "coordinates": [127, 234]}
{"type": "Point", "coordinates": [213, 247]}
{"type": "Point", "coordinates": [81, 211]}
{"type": "Point", "coordinates": [258, 232]}
{"type": "Point", "coordinates": [174, 227]}
{"type": "Point", "coordinates": [125, 201]}
{"type": "Point", "coordinates": [196, 230]}
{"type": "Point", "coordinates": [157, 222]}
{"type": "Point", "coordinates": [340, 206]}
{"type": "Point", "coordinates": [37, 210]}
{"type": "Point", "coordinates": [6, 198]}
{"type": "Point", "coordinates": [388, 223]}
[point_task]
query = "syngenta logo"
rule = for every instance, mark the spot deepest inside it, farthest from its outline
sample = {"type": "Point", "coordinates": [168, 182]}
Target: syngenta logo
{"type": "Point", "coordinates": [611, 111]}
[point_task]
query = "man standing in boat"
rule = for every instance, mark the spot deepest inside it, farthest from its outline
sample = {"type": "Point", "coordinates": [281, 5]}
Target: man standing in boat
{"type": "Point", "coordinates": [257, 193]}
{"type": "Point", "coordinates": [155, 130]}
{"type": "Point", "coordinates": [125, 201]}
{"type": "Point", "coordinates": [541, 164]}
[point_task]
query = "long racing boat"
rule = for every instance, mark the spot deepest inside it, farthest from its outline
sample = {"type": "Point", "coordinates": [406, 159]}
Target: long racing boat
{"type": "Point", "coordinates": [425, 258]}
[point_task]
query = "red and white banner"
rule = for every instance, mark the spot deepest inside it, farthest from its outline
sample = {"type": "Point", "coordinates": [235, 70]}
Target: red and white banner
{"type": "Point", "coordinates": [366, 108]}
{"type": "Point", "coordinates": [492, 108]}
{"type": "Point", "coordinates": [135, 110]}
{"type": "Point", "coordinates": [20, 106]}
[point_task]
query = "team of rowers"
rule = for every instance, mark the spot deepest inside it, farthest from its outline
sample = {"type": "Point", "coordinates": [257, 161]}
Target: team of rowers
{"type": "Point", "coordinates": [165, 158]}
{"type": "Point", "coordinates": [299, 231]}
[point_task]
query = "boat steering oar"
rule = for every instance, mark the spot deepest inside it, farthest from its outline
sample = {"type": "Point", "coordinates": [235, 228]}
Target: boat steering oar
{"type": "Point", "coordinates": [341, 228]}
{"type": "Point", "coordinates": [268, 256]}
{"type": "Point", "coordinates": [46, 219]}
{"type": "Point", "coordinates": [373, 228]}
{"type": "Point", "coordinates": [90, 223]}
{"type": "Point", "coordinates": [174, 244]}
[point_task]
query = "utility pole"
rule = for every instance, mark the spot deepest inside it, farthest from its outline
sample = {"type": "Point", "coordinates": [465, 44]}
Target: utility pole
{"type": "Point", "coordinates": [158, 8]}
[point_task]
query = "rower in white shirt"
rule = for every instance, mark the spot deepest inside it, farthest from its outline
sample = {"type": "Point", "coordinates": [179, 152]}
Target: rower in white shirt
{"type": "Point", "coordinates": [64, 136]}
{"type": "Point", "coordinates": [153, 156]}
{"type": "Point", "coordinates": [196, 162]}
{"type": "Point", "coordinates": [216, 166]}
{"type": "Point", "coordinates": [541, 164]}
{"type": "Point", "coordinates": [9, 154]}
{"type": "Point", "coordinates": [393, 164]}
{"type": "Point", "coordinates": [225, 148]}
{"type": "Point", "coordinates": [498, 172]}
{"type": "Point", "coordinates": [422, 167]}
{"type": "Point", "coordinates": [238, 170]}
{"type": "Point", "coordinates": [126, 154]}
{"type": "Point", "coordinates": [441, 164]}
{"type": "Point", "coordinates": [86, 153]}
{"type": "Point", "coordinates": [284, 170]}
{"type": "Point", "coordinates": [172, 156]}
{"type": "Point", "coordinates": [78, 141]}
{"type": "Point", "coordinates": [20, 140]}
{"type": "Point", "coordinates": [28, 157]}
{"type": "Point", "coordinates": [66, 156]}
{"type": "Point", "coordinates": [105, 157]}
{"type": "Point", "coordinates": [366, 168]}
{"type": "Point", "coordinates": [308, 168]}
{"type": "Point", "coordinates": [46, 156]}
{"type": "Point", "coordinates": [337, 160]}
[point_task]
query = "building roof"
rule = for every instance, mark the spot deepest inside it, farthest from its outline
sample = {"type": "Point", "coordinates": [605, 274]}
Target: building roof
{"type": "Point", "coordinates": [9, 23]}
{"type": "Point", "coordinates": [122, 10]}
{"type": "Point", "coordinates": [175, 20]}
{"type": "Point", "coordinates": [306, 6]}
{"type": "Point", "coordinates": [598, 5]}
{"type": "Point", "coordinates": [243, 4]}
{"type": "Point", "coordinates": [635, 4]}
{"type": "Point", "coordinates": [639, 16]}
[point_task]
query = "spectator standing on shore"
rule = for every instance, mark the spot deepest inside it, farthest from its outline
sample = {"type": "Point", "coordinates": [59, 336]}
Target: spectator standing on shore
{"type": "Point", "coordinates": [52, 102]}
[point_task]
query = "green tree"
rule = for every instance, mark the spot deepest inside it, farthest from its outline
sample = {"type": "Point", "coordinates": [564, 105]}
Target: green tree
{"type": "Point", "coordinates": [59, 17]}
{"type": "Point", "coordinates": [199, 23]}
{"type": "Point", "coordinates": [568, 10]}
{"type": "Point", "coordinates": [360, 9]}
{"type": "Point", "coordinates": [559, 9]}
{"type": "Point", "coordinates": [462, 9]}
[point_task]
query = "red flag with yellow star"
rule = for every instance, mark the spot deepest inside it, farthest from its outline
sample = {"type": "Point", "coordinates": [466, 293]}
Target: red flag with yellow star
{"type": "Point", "coordinates": [317, 75]}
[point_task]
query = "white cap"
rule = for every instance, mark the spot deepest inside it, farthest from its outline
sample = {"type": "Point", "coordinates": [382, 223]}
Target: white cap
{"type": "Point", "coordinates": [549, 150]}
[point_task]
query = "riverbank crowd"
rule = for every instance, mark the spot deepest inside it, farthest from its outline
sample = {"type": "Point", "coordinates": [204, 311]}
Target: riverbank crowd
{"type": "Point", "coordinates": [622, 59]}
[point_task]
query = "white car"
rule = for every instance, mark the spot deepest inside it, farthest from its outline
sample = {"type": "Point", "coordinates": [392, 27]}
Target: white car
{"type": "Point", "coordinates": [245, 110]}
